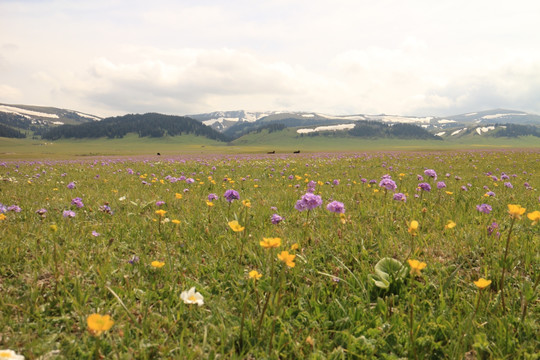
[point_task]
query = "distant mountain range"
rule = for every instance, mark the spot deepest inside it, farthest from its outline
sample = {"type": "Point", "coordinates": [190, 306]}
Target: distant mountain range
{"type": "Point", "coordinates": [52, 123]}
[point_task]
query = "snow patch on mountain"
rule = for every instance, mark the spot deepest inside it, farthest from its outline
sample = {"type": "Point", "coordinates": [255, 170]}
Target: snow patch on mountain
{"type": "Point", "coordinates": [26, 113]}
{"type": "Point", "coordinates": [339, 127]}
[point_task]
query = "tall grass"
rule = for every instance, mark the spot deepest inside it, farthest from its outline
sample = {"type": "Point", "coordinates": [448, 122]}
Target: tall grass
{"type": "Point", "coordinates": [56, 271]}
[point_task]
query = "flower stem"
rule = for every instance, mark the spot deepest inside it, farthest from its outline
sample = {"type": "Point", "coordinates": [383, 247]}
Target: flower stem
{"type": "Point", "coordinates": [504, 263]}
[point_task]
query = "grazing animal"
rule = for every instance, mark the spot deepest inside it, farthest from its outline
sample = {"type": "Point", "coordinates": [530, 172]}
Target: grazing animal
{"type": "Point", "coordinates": [158, 153]}
{"type": "Point", "coordinates": [297, 152]}
{"type": "Point", "coordinates": [271, 152]}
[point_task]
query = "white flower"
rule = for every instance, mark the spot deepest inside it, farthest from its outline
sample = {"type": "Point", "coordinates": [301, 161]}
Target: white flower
{"type": "Point", "coordinates": [122, 198]}
{"type": "Point", "coordinates": [192, 297]}
{"type": "Point", "coordinates": [10, 355]}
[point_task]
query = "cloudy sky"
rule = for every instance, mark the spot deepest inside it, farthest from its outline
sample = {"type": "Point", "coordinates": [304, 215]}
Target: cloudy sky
{"type": "Point", "coordinates": [414, 57]}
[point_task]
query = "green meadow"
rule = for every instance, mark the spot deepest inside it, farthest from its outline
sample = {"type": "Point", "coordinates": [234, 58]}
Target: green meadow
{"type": "Point", "coordinates": [322, 255]}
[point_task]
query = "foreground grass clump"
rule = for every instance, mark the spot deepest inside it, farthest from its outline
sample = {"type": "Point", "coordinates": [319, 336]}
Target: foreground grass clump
{"type": "Point", "coordinates": [394, 255]}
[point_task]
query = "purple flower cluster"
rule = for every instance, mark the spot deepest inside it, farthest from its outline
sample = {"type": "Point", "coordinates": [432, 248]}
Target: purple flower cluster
{"type": "Point", "coordinates": [77, 202]}
{"type": "Point", "coordinates": [276, 219]}
{"type": "Point", "coordinates": [231, 195]}
{"type": "Point", "coordinates": [308, 201]}
{"type": "Point", "coordinates": [430, 173]}
{"type": "Point", "coordinates": [212, 197]}
{"type": "Point", "coordinates": [68, 214]}
{"type": "Point", "coordinates": [71, 185]}
{"type": "Point", "coordinates": [400, 197]}
{"type": "Point", "coordinates": [336, 207]}
{"type": "Point", "coordinates": [441, 185]}
{"type": "Point", "coordinates": [387, 183]}
{"type": "Point", "coordinates": [424, 186]}
{"type": "Point", "coordinates": [484, 208]}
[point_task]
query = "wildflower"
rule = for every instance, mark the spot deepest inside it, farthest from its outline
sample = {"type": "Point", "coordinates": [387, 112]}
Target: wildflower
{"type": "Point", "coordinates": [192, 297]}
{"type": "Point", "coordinates": [161, 212]}
{"type": "Point", "coordinates": [509, 185]}
{"type": "Point", "coordinates": [68, 213]}
{"type": "Point", "coordinates": [413, 228]}
{"type": "Point", "coordinates": [287, 258]}
{"type": "Point", "coordinates": [416, 266]}
{"type": "Point", "coordinates": [254, 274]}
{"type": "Point", "coordinates": [482, 283]}
{"type": "Point", "coordinates": [157, 264]}
{"type": "Point", "coordinates": [335, 182]}
{"type": "Point", "coordinates": [235, 226]}
{"type": "Point", "coordinates": [276, 219]}
{"type": "Point", "coordinates": [295, 246]}
{"type": "Point", "coordinates": [95, 233]}
{"type": "Point", "coordinates": [41, 212]}
{"type": "Point", "coordinates": [178, 196]}
{"type": "Point", "coordinates": [308, 202]}
{"type": "Point", "coordinates": [388, 184]}
{"type": "Point", "coordinates": [77, 202]}
{"type": "Point", "coordinates": [246, 203]}
{"type": "Point", "coordinates": [534, 217]}
{"type": "Point", "coordinates": [231, 195]}
{"type": "Point", "coordinates": [71, 185]}
{"type": "Point", "coordinates": [160, 203]}
{"type": "Point", "coordinates": [2, 217]}
{"type": "Point", "coordinates": [53, 228]}
{"type": "Point", "coordinates": [430, 173]}
{"type": "Point", "coordinates": [491, 228]}
{"type": "Point", "coordinates": [98, 324]}
{"type": "Point", "coordinates": [106, 209]}
{"type": "Point", "coordinates": [209, 203]}
{"type": "Point", "coordinates": [400, 197]}
{"type": "Point", "coordinates": [268, 243]}
{"type": "Point", "coordinates": [134, 259]}
{"type": "Point", "coordinates": [515, 211]}
{"type": "Point", "coordinates": [10, 355]}
{"type": "Point", "coordinates": [212, 197]}
{"type": "Point", "coordinates": [441, 185]}
{"type": "Point", "coordinates": [14, 208]}
{"type": "Point", "coordinates": [336, 207]}
{"type": "Point", "coordinates": [489, 193]}
{"type": "Point", "coordinates": [484, 208]}
{"type": "Point", "coordinates": [175, 221]}
{"type": "Point", "coordinates": [450, 224]}
{"type": "Point", "coordinates": [424, 186]}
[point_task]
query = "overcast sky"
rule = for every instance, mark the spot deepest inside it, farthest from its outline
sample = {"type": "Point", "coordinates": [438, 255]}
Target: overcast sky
{"type": "Point", "coordinates": [406, 57]}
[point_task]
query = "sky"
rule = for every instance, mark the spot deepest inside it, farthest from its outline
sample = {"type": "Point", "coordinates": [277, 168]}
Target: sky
{"type": "Point", "coordinates": [340, 57]}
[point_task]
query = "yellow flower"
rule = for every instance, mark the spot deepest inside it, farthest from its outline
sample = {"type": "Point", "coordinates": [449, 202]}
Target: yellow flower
{"type": "Point", "coordinates": [235, 226]}
{"type": "Point", "coordinates": [287, 258]}
{"type": "Point", "coordinates": [515, 211]}
{"type": "Point", "coordinates": [2, 217]}
{"type": "Point", "coordinates": [534, 217]}
{"type": "Point", "coordinates": [270, 243]}
{"type": "Point", "coordinates": [209, 203]}
{"type": "Point", "coordinates": [175, 221]}
{"type": "Point", "coordinates": [254, 274]}
{"type": "Point", "coordinates": [161, 212]}
{"type": "Point", "coordinates": [157, 264]}
{"type": "Point", "coordinates": [449, 192]}
{"type": "Point", "coordinates": [413, 228]}
{"type": "Point", "coordinates": [53, 228]}
{"type": "Point", "coordinates": [246, 203]}
{"type": "Point", "coordinates": [450, 224]}
{"type": "Point", "coordinates": [10, 355]}
{"type": "Point", "coordinates": [295, 246]}
{"type": "Point", "coordinates": [178, 196]}
{"type": "Point", "coordinates": [97, 324]}
{"type": "Point", "coordinates": [482, 283]}
{"type": "Point", "coordinates": [416, 266]}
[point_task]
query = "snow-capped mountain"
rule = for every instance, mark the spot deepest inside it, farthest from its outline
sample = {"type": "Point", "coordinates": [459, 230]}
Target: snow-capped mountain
{"type": "Point", "coordinates": [41, 115]}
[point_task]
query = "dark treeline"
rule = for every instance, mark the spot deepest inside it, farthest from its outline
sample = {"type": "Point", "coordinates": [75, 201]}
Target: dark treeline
{"type": "Point", "coordinates": [513, 130]}
{"type": "Point", "coordinates": [151, 125]}
{"type": "Point", "coordinates": [8, 132]}
{"type": "Point", "coordinates": [375, 129]}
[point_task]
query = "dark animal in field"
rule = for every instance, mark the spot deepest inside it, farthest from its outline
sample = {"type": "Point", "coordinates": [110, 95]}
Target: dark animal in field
{"type": "Point", "coordinates": [297, 152]}
{"type": "Point", "coordinates": [158, 153]}
{"type": "Point", "coordinates": [271, 152]}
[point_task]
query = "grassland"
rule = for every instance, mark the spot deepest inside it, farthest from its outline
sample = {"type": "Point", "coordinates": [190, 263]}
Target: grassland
{"type": "Point", "coordinates": [127, 238]}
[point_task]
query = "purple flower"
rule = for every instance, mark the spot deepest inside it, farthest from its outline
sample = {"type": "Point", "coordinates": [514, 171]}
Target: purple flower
{"type": "Point", "coordinates": [68, 213]}
{"type": "Point", "coordinates": [419, 177]}
{"type": "Point", "coordinates": [190, 181]}
{"type": "Point", "coordinates": [509, 185]}
{"type": "Point", "coordinates": [95, 233]}
{"type": "Point", "coordinates": [311, 186]}
{"type": "Point", "coordinates": [77, 202]}
{"type": "Point", "coordinates": [212, 197]}
{"type": "Point", "coordinates": [308, 201]}
{"type": "Point", "coordinates": [3, 208]}
{"type": "Point", "coordinates": [484, 208]}
{"type": "Point", "coordinates": [133, 260]}
{"type": "Point", "coordinates": [430, 173]}
{"type": "Point", "coordinates": [441, 185]}
{"type": "Point", "coordinates": [492, 228]}
{"type": "Point", "coordinates": [490, 193]}
{"type": "Point", "coordinates": [400, 197]}
{"type": "Point", "coordinates": [336, 207]}
{"type": "Point", "coordinates": [160, 202]}
{"type": "Point", "coordinates": [71, 185]}
{"type": "Point", "coordinates": [424, 186]}
{"type": "Point", "coordinates": [106, 209]}
{"type": "Point", "coordinates": [41, 212]}
{"type": "Point", "coordinates": [388, 184]}
{"type": "Point", "coordinates": [231, 195]}
{"type": "Point", "coordinates": [335, 182]}
{"type": "Point", "coordinates": [276, 219]}
{"type": "Point", "coordinates": [14, 208]}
